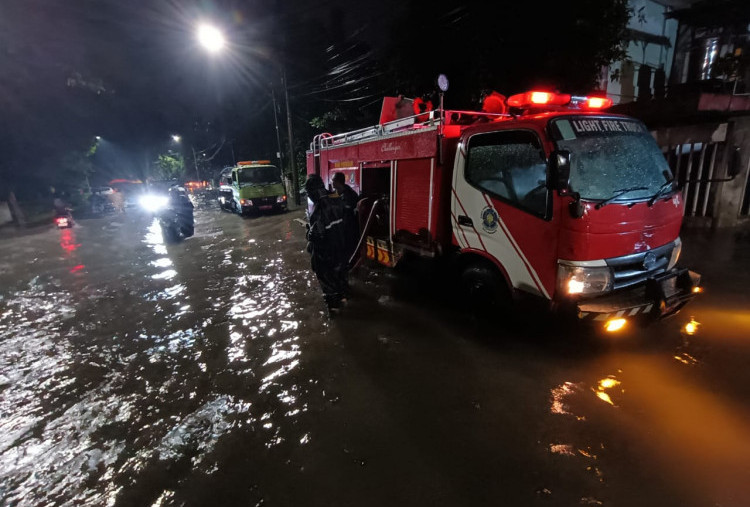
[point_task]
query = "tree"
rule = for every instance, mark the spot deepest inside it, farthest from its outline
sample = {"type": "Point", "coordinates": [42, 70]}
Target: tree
{"type": "Point", "coordinates": [169, 166]}
{"type": "Point", "coordinates": [506, 47]}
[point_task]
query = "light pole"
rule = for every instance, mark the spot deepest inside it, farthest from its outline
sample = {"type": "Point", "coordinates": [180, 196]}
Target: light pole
{"type": "Point", "coordinates": [213, 41]}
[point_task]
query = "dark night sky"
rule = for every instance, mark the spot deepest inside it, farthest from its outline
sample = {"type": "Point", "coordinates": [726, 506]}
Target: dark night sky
{"type": "Point", "coordinates": [133, 73]}
{"type": "Point", "coordinates": [145, 75]}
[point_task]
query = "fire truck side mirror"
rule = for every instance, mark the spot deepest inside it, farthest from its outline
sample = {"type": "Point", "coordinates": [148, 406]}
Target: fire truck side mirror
{"type": "Point", "coordinates": [733, 163]}
{"type": "Point", "coordinates": [559, 165]}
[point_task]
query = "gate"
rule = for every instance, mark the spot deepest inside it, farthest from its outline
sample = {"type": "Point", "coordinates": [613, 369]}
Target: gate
{"type": "Point", "coordinates": [691, 162]}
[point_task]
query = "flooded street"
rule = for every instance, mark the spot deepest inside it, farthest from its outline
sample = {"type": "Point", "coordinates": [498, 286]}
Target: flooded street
{"type": "Point", "coordinates": [134, 372]}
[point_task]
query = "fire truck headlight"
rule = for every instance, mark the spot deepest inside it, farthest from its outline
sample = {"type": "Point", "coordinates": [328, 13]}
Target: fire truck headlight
{"type": "Point", "coordinates": [575, 280]}
{"type": "Point", "coordinates": [675, 253]}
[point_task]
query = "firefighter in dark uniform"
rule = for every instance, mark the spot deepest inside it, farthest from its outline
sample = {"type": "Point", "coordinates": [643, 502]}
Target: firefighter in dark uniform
{"type": "Point", "coordinates": [326, 242]}
{"type": "Point", "coordinates": [350, 199]}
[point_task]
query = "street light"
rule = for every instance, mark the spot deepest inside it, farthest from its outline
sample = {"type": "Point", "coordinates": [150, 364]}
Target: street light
{"type": "Point", "coordinates": [176, 138]}
{"type": "Point", "coordinates": [211, 38]}
{"type": "Point", "coordinates": [213, 41]}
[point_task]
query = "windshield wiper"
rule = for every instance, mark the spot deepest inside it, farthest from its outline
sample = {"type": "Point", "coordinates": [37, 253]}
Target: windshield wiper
{"type": "Point", "coordinates": [618, 193]}
{"type": "Point", "coordinates": [669, 184]}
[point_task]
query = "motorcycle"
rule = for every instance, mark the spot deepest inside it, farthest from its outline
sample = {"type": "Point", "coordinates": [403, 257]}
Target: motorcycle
{"type": "Point", "coordinates": [174, 212]}
{"type": "Point", "coordinates": [63, 219]}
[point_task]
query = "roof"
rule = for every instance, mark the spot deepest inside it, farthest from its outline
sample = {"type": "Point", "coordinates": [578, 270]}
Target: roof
{"type": "Point", "coordinates": [706, 13]}
{"type": "Point", "coordinates": [649, 38]}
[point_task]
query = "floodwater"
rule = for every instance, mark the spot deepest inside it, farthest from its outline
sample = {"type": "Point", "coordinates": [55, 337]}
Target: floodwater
{"type": "Point", "coordinates": [134, 372]}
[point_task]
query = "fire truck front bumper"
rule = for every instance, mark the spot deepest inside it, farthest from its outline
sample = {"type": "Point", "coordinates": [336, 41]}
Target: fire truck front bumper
{"type": "Point", "coordinates": [660, 297]}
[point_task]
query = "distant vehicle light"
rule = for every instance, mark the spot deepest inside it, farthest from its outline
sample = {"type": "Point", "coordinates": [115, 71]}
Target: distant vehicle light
{"type": "Point", "coordinates": [61, 221]}
{"type": "Point", "coordinates": [697, 290]}
{"type": "Point", "coordinates": [613, 325]}
{"type": "Point", "coordinates": [153, 203]}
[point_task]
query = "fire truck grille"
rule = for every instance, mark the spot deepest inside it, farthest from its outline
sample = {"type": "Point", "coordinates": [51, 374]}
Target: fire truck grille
{"type": "Point", "coordinates": [635, 268]}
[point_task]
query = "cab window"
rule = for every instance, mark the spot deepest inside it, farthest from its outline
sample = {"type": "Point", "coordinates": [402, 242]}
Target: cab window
{"type": "Point", "coordinates": [510, 166]}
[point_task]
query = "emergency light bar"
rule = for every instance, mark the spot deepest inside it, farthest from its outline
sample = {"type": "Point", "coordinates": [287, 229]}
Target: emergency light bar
{"type": "Point", "coordinates": [253, 162]}
{"type": "Point", "coordinates": [536, 98]}
{"type": "Point", "coordinates": [539, 99]}
{"type": "Point", "coordinates": [591, 102]}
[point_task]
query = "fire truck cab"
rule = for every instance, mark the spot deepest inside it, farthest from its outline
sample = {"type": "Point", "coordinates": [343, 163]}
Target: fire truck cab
{"type": "Point", "coordinates": [559, 200]}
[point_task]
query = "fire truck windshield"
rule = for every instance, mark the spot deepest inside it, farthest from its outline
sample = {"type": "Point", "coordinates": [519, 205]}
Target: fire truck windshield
{"type": "Point", "coordinates": [262, 175]}
{"type": "Point", "coordinates": [610, 154]}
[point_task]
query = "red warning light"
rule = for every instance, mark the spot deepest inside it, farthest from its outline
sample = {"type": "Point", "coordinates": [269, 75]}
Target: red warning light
{"type": "Point", "coordinates": [538, 98]}
{"type": "Point", "coordinates": [598, 102]}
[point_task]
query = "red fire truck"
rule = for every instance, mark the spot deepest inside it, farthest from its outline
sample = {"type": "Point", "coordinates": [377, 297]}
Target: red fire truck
{"type": "Point", "coordinates": [556, 198]}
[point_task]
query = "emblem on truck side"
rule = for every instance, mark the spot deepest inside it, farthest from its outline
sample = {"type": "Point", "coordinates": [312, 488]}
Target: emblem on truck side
{"type": "Point", "coordinates": [489, 219]}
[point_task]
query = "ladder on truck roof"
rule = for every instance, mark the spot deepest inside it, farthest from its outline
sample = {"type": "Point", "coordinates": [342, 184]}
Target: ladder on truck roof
{"type": "Point", "coordinates": [315, 148]}
{"type": "Point", "coordinates": [322, 141]}
{"type": "Point", "coordinates": [436, 118]}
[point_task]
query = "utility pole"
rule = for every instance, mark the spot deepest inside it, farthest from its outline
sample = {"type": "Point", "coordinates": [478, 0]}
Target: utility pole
{"type": "Point", "coordinates": [292, 165]}
{"type": "Point", "coordinates": [195, 163]}
{"type": "Point", "coordinates": [276, 121]}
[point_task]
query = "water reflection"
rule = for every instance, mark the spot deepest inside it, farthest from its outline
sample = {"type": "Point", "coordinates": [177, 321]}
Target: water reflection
{"type": "Point", "coordinates": [559, 396]}
{"type": "Point", "coordinates": [112, 387]}
{"type": "Point", "coordinates": [603, 386]}
{"type": "Point", "coordinates": [155, 239]}
{"type": "Point", "coordinates": [691, 327]}
{"type": "Point", "coordinates": [68, 241]}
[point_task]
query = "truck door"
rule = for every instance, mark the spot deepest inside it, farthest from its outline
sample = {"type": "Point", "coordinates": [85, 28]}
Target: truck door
{"type": "Point", "coordinates": [235, 187]}
{"type": "Point", "coordinates": [502, 209]}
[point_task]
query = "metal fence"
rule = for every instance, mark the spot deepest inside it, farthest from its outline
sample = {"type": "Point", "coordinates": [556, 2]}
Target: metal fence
{"type": "Point", "coordinates": [692, 162]}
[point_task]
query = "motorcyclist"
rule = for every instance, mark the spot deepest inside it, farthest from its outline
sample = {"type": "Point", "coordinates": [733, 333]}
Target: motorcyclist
{"type": "Point", "coordinates": [182, 208]}
{"type": "Point", "coordinates": [61, 207]}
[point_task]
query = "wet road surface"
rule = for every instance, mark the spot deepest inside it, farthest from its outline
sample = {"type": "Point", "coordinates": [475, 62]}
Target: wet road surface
{"type": "Point", "coordinates": [134, 372]}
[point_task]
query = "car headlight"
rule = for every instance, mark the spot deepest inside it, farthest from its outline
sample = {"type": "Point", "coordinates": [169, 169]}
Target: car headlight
{"type": "Point", "coordinates": [154, 203]}
{"type": "Point", "coordinates": [576, 280]}
{"type": "Point", "coordinates": [675, 254]}
{"type": "Point", "coordinates": [246, 202]}
{"type": "Point", "coordinates": [281, 198]}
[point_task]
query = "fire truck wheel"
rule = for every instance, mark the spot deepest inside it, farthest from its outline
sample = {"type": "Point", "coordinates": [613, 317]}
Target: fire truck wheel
{"type": "Point", "coordinates": [484, 288]}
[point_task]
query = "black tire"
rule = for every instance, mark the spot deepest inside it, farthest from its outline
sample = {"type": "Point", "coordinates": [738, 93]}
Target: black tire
{"type": "Point", "coordinates": [484, 288]}
{"type": "Point", "coordinates": [170, 233]}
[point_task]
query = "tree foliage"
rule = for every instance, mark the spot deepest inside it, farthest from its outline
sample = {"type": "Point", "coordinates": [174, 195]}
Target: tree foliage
{"type": "Point", "coordinates": [169, 166]}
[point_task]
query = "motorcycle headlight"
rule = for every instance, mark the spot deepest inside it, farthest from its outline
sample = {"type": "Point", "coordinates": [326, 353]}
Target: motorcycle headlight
{"type": "Point", "coordinates": [154, 203]}
{"type": "Point", "coordinates": [578, 280]}
{"type": "Point", "coordinates": [675, 254]}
